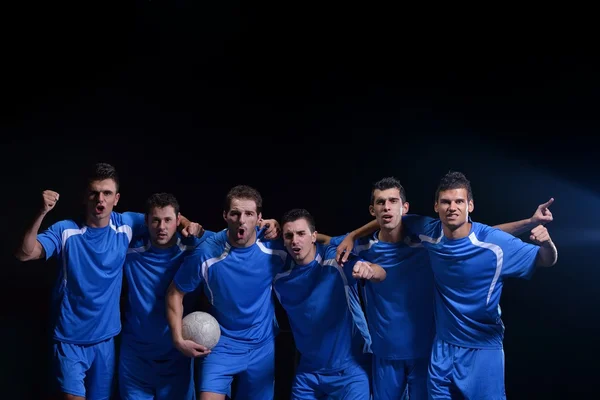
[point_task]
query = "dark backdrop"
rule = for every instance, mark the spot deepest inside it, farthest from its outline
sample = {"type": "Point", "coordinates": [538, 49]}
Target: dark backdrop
{"type": "Point", "coordinates": [310, 106]}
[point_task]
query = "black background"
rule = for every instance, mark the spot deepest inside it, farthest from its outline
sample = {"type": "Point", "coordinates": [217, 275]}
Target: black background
{"type": "Point", "coordinates": [309, 104]}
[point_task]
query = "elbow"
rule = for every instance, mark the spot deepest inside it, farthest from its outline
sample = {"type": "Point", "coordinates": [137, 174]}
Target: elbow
{"type": "Point", "coordinates": [22, 256]}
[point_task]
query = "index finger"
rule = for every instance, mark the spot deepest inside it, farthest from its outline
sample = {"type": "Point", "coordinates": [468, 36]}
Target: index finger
{"type": "Point", "coordinates": [548, 203]}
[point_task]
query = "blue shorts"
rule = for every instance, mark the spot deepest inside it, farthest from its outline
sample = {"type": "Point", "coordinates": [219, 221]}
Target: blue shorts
{"type": "Point", "coordinates": [466, 373]}
{"type": "Point", "coordinates": [254, 369]}
{"type": "Point", "coordinates": [141, 378]}
{"type": "Point", "coordinates": [350, 383]}
{"type": "Point", "coordinates": [392, 378]}
{"type": "Point", "coordinates": [85, 370]}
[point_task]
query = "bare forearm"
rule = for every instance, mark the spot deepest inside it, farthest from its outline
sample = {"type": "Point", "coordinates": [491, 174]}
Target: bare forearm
{"type": "Point", "coordinates": [30, 248]}
{"type": "Point", "coordinates": [323, 239]}
{"type": "Point", "coordinates": [175, 312]}
{"type": "Point", "coordinates": [379, 273]}
{"type": "Point", "coordinates": [547, 255]}
{"type": "Point", "coordinates": [516, 228]}
{"type": "Point", "coordinates": [364, 230]}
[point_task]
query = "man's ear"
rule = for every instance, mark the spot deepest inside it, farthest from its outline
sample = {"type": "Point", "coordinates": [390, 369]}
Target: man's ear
{"type": "Point", "coordinates": [405, 207]}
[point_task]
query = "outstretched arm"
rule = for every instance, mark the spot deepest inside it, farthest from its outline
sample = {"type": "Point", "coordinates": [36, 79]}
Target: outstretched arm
{"type": "Point", "coordinates": [31, 248]}
{"type": "Point", "coordinates": [541, 216]}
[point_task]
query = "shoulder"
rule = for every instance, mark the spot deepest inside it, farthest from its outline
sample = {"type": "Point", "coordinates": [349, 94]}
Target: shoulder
{"type": "Point", "coordinates": [486, 233]}
{"type": "Point", "coordinates": [126, 218]}
{"type": "Point", "coordinates": [214, 244]}
{"type": "Point", "coordinates": [420, 225]}
{"type": "Point", "coordinates": [64, 225]}
{"type": "Point", "coordinates": [272, 247]}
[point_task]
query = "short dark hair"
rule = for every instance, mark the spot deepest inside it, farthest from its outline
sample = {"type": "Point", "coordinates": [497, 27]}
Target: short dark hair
{"type": "Point", "coordinates": [388, 183]}
{"type": "Point", "coordinates": [161, 200]}
{"type": "Point", "coordinates": [243, 192]}
{"type": "Point", "coordinates": [454, 180]}
{"type": "Point", "coordinates": [102, 171]}
{"type": "Point", "coordinates": [296, 214]}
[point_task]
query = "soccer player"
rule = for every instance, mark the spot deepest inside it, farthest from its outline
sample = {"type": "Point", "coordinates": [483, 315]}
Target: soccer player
{"type": "Point", "coordinates": [236, 269]}
{"type": "Point", "coordinates": [91, 252]}
{"type": "Point", "coordinates": [400, 309]}
{"type": "Point", "coordinates": [150, 367]}
{"type": "Point", "coordinates": [470, 262]}
{"type": "Point", "coordinates": [326, 319]}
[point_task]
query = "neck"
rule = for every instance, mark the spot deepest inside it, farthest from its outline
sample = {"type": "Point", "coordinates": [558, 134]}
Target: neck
{"type": "Point", "coordinates": [95, 222]}
{"type": "Point", "coordinates": [391, 235]}
{"type": "Point", "coordinates": [459, 232]}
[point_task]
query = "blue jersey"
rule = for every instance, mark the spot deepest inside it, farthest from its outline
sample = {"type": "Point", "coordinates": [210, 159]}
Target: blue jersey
{"type": "Point", "coordinates": [148, 272]}
{"type": "Point", "coordinates": [399, 309]}
{"type": "Point", "coordinates": [90, 277]}
{"type": "Point", "coordinates": [238, 284]}
{"type": "Point", "coordinates": [322, 304]}
{"type": "Point", "coordinates": [469, 273]}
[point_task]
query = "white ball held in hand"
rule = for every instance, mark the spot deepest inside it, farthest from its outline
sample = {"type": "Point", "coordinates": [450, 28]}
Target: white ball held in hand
{"type": "Point", "coordinates": [201, 328]}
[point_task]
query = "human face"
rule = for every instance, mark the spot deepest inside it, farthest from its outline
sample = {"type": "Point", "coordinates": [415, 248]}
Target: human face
{"type": "Point", "coordinates": [162, 226]}
{"type": "Point", "coordinates": [101, 198]}
{"type": "Point", "coordinates": [453, 207]}
{"type": "Point", "coordinates": [241, 222]}
{"type": "Point", "coordinates": [299, 241]}
{"type": "Point", "coordinates": [388, 208]}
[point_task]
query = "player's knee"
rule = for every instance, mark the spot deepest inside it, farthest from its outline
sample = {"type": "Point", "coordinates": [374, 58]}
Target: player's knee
{"type": "Point", "coordinates": [67, 396]}
{"type": "Point", "coordinates": [211, 396]}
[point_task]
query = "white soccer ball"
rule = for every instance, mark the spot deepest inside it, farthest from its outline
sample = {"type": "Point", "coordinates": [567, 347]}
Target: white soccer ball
{"type": "Point", "coordinates": [201, 328]}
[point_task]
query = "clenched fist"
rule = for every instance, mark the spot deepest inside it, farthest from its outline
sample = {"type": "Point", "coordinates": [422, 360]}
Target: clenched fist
{"type": "Point", "coordinates": [540, 236]}
{"type": "Point", "coordinates": [49, 198]}
{"type": "Point", "coordinates": [362, 270]}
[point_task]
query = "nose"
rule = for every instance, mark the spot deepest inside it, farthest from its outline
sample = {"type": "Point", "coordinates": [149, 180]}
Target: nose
{"type": "Point", "coordinates": [294, 240]}
{"type": "Point", "coordinates": [161, 225]}
{"type": "Point", "coordinates": [387, 205]}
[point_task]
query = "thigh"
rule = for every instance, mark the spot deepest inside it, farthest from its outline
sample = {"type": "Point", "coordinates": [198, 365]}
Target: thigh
{"type": "Point", "coordinates": [351, 383]}
{"type": "Point", "coordinates": [216, 371]}
{"type": "Point", "coordinates": [257, 382]}
{"type": "Point", "coordinates": [71, 363]}
{"type": "Point", "coordinates": [175, 379]}
{"type": "Point", "coordinates": [417, 378]}
{"type": "Point", "coordinates": [134, 377]}
{"type": "Point", "coordinates": [305, 387]}
{"type": "Point", "coordinates": [100, 377]}
{"type": "Point", "coordinates": [440, 371]}
{"type": "Point", "coordinates": [389, 378]}
{"type": "Point", "coordinates": [479, 373]}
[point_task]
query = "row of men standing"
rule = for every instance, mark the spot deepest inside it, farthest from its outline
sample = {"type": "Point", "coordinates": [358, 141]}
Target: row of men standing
{"type": "Point", "coordinates": [410, 266]}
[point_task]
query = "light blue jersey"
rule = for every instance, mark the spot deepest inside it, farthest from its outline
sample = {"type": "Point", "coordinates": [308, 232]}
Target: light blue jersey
{"type": "Point", "coordinates": [399, 309]}
{"type": "Point", "coordinates": [469, 274]}
{"type": "Point", "coordinates": [91, 270]}
{"type": "Point", "coordinates": [322, 304]}
{"type": "Point", "coordinates": [237, 282]}
{"type": "Point", "coordinates": [149, 271]}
